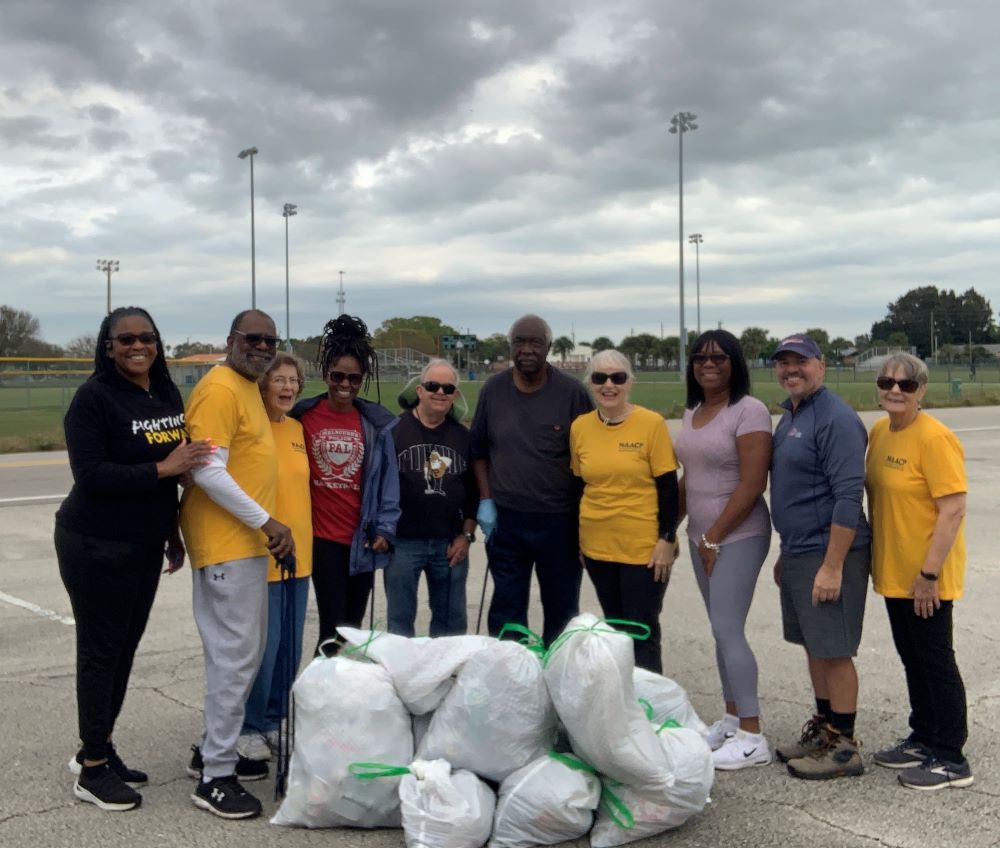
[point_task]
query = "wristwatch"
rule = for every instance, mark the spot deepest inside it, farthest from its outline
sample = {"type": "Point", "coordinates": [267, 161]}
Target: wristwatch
{"type": "Point", "coordinates": [469, 537]}
{"type": "Point", "coordinates": [927, 576]}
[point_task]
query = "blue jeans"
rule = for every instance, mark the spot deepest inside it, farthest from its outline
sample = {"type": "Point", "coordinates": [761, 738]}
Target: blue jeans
{"type": "Point", "coordinates": [548, 542]}
{"type": "Point", "coordinates": [267, 704]}
{"type": "Point", "coordinates": [445, 585]}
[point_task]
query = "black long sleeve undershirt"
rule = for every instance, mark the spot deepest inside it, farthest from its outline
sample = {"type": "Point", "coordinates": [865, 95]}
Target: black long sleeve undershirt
{"type": "Point", "coordinates": [667, 505]}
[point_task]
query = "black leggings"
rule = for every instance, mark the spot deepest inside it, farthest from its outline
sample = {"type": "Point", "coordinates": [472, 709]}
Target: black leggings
{"type": "Point", "coordinates": [341, 598]}
{"type": "Point", "coordinates": [111, 585]}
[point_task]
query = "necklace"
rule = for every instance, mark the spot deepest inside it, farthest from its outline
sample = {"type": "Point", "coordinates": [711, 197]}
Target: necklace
{"type": "Point", "coordinates": [611, 422]}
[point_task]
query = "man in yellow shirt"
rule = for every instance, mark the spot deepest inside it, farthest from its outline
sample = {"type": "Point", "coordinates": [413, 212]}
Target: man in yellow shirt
{"type": "Point", "coordinates": [230, 534]}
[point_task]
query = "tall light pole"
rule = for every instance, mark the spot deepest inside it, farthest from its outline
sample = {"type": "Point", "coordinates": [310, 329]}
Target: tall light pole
{"type": "Point", "coordinates": [681, 123]}
{"type": "Point", "coordinates": [696, 240]}
{"type": "Point", "coordinates": [251, 152]}
{"type": "Point", "coordinates": [287, 211]}
{"type": "Point", "coordinates": [106, 266]}
{"type": "Point", "coordinates": [341, 296]}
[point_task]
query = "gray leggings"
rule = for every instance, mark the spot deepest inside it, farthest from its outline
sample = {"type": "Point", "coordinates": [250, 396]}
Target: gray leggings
{"type": "Point", "coordinates": [727, 595]}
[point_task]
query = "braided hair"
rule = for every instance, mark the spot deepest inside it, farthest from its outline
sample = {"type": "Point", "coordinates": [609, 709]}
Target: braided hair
{"type": "Point", "coordinates": [159, 374]}
{"type": "Point", "coordinates": [348, 336]}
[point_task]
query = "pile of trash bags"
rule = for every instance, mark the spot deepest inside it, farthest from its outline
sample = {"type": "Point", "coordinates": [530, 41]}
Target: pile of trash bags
{"type": "Point", "coordinates": [469, 740]}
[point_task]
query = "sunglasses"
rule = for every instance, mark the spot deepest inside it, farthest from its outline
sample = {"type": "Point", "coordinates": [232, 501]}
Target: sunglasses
{"type": "Point", "coordinates": [599, 378]}
{"type": "Point", "coordinates": [432, 386]}
{"type": "Point", "coordinates": [255, 339]}
{"type": "Point", "coordinates": [714, 358]}
{"type": "Point", "coordinates": [907, 386]}
{"type": "Point", "coordinates": [353, 378]}
{"type": "Point", "coordinates": [129, 339]}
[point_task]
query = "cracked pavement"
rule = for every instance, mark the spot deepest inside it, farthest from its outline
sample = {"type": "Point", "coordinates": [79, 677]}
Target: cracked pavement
{"type": "Point", "coordinates": [761, 806]}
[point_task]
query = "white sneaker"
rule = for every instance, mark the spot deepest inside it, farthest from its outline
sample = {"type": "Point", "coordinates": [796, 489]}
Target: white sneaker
{"type": "Point", "coordinates": [253, 746]}
{"type": "Point", "coordinates": [742, 750]}
{"type": "Point", "coordinates": [722, 730]}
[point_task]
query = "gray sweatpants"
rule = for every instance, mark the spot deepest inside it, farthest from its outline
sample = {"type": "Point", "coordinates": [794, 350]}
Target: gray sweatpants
{"type": "Point", "coordinates": [727, 595]}
{"type": "Point", "coordinates": [230, 609]}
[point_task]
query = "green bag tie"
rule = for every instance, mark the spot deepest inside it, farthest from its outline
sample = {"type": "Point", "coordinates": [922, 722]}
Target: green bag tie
{"type": "Point", "coordinates": [363, 647]}
{"type": "Point", "coordinates": [529, 639]}
{"type": "Point", "coordinates": [615, 807]}
{"type": "Point", "coordinates": [643, 634]}
{"type": "Point", "coordinates": [371, 771]}
{"type": "Point", "coordinates": [671, 723]}
{"type": "Point", "coordinates": [647, 708]}
{"type": "Point", "coordinates": [572, 762]}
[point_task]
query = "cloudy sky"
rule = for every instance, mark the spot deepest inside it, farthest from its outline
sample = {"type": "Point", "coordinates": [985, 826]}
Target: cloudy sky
{"type": "Point", "coordinates": [476, 160]}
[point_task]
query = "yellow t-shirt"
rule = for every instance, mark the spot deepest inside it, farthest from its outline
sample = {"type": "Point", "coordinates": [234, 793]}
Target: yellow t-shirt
{"type": "Point", "coordinates": [905, 472]}
{"type": "Point", "coordinates": [229, 410]}
{"type": "Point", "coordinates": [618, 513]}
{"type": "Point", "coordinates": [293, 503]}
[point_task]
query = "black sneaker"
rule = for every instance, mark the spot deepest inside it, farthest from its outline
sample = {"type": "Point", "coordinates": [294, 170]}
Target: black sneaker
{"type": "Point", "coordinates": [226, 798]}
{"type": "Point", "coordinates": [904, 754]}
{"type": "Point", "coordinates": [107, 790]}
{"type": "Point", "coordinates": [133, 777]}
{"type": "Point", "coordinates": [935, 773]}
{"type": "Point", "coordinates": [248, 770]}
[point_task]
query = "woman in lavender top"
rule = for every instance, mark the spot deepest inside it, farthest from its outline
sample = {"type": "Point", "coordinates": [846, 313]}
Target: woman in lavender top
{"type": "Point", "coordinates": [725, 450]}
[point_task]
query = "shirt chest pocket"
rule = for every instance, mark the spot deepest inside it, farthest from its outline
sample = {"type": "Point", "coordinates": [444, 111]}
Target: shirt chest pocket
{"type": "Point", "coordinates": [552, 440]}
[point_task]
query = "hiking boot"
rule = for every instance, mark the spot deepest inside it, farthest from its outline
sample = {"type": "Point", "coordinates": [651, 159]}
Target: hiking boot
{"type": "Point", "coordinates": [903, 755]}
{"type": "Point", "coordinates": [742, 750]}
{"type": "Point", "coordinates": [722, 730]}
{"type": "Point", "coordinates": [253, 746]}
{"type": "Point", "coordinates": [224, 797]}
{"type": "Point", "coordinates": [809, 741]}
{"type": "Point", "coordinates": [838, 756]}
{"type": "Point", "coordinates": [107, 790]}
{"type": "Point", "coordinates": [934, 773]}
{"type": "Point", "coordinates": [245, 769]}
{"type": "Point", "coordinates": [133, 777]}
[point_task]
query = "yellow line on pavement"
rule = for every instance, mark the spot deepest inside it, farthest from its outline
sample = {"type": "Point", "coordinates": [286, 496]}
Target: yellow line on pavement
{"type": "Point", "coordinates": [32, 463]}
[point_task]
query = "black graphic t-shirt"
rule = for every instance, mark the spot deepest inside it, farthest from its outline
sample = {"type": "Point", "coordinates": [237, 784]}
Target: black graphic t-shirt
{"type": "Point", "coordinates": [437, 489]}
{"type": "Point", "coordinates": [116, 432]}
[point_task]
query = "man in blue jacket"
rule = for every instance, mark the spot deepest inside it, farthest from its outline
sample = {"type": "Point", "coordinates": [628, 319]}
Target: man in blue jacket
{"type": "Point", "coordinates": [817, 480]}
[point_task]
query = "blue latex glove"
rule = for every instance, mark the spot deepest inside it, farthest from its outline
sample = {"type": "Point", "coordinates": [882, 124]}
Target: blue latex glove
{"type": "Point", "coordinates": [487, 517]}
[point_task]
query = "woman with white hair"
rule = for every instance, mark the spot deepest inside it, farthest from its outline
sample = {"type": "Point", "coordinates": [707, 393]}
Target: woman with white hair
{"type": "Point", "coordinates": [628, 513]}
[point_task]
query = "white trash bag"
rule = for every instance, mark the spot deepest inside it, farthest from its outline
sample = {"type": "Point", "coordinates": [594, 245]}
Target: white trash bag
{"type": "Point", "coordinates": [445, 809]}
{"type": "Point", "coordinates": [345, 711]}
{"type": "Point", "coordinates": [626, 815]}
{"type": "Point", "coordinates": [421, 668]}
{"type": "Point", "coordinates": [664, 699]}
{"type": "Point", "coordinates": [588, 671]}
{"type": "Point", "coordinates": [497, 717]}
{"type": "Point", "coordinates": [548, 801]}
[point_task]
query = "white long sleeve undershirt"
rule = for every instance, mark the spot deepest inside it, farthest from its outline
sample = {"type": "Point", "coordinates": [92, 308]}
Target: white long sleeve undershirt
{"type": "Point", "coordinates": [220, 486]}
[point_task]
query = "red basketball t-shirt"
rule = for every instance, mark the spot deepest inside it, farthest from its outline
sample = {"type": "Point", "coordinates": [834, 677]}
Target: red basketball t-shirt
{"type": "Point", "coordinates": [336, 448]}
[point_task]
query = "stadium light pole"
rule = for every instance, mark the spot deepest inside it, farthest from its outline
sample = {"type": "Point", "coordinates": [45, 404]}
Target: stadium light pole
{"type": "Point", "coordinates": [681, 123]}
{"type": "Point", "coordinates": [341, 296]}
{"type": "Point", "coordinates": [106, 266]}
{"type": "Point", "coordinates": [696, 239]}
{"type": "Point", "coordinates": [243, 154]}
{"type": "Point", "coordinates": [287, 211]}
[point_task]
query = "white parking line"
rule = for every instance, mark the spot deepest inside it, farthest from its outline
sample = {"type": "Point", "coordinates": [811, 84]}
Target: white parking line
{"type": "Point", "coordinates": [31, 498]}
{"type": "Point", "coordinates": [37, 610]}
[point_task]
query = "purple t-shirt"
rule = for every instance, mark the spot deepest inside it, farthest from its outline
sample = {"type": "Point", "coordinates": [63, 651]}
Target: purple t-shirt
{"type": "Point", "coordinates": [712, 468]}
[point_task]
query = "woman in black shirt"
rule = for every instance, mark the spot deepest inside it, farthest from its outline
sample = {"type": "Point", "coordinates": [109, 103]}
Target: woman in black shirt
{"type": "Point", "coordinates": [127, 447]}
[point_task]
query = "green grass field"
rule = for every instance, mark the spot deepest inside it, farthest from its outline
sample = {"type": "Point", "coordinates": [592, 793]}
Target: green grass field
{"type": "Point", "coordinates": [31, 416]}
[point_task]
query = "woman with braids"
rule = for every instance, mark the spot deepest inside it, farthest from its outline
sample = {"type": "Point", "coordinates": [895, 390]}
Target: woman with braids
{"type": "Point", "coordinates": [127, 448]}
{"type": "Point", "coordinates": [354, 476]}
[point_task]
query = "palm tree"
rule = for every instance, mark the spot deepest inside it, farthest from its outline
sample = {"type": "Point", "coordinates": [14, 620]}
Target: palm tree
{"type": "Point", "coordinates": [601, 343]}
{"type": "Point", "coordinates": [562, 347]}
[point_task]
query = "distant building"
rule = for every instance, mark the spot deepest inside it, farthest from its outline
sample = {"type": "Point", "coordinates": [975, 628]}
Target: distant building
{"type": "Point", "coordinates": [190, 369]}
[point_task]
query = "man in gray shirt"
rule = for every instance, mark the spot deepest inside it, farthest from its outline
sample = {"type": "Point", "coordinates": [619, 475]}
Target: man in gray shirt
{"type": "Point", "coordinates": [817, 481]}
{"type": "Point", "coordinates": [529, 498]}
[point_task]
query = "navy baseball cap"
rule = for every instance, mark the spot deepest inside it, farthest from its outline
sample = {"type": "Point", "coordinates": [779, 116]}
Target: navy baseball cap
{"type": "Point", "coordinates": [801, 344]}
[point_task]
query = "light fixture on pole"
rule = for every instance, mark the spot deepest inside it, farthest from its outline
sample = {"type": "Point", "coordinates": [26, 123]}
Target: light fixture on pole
{"type": "Point", "coordinates": [681, 123]}
{"type": "Point", "coordinates": [696, 239]}
{"type": "Point", "coordinates": [243, 154]}
{"type": "Point", "coordinates": [106, 266]}
{"type": "Point", "coordinates": [341, 296]}
{"type": "Point", "coordinates": [287, 211]}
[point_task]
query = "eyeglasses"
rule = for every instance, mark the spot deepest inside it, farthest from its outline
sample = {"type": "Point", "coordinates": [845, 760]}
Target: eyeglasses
{"type": "Point", "coordinates": [255, 339]}
{"type": "Point", "coordinates": [714, 358]}
{"type": "Point", "coordinates": [339, 376]}
{"type": "Point", "coordinates": [529, 341]}
{"type": "Point", "coordinates": [129, 339]}
{"type": "Point", "coordinates": [432, 386]}
{"type": "Point", "coordinates": [286, 381]}
{"type": "Point", "coordinates": [599, 378]}
{"type": "Point", "coordinates": [905, 385]}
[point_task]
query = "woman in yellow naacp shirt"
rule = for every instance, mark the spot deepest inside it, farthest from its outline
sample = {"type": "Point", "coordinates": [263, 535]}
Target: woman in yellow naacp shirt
{"type": "Point", "coordinates": [629, 508]}
{"type": "Point", "coordinates": [916, 484]}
